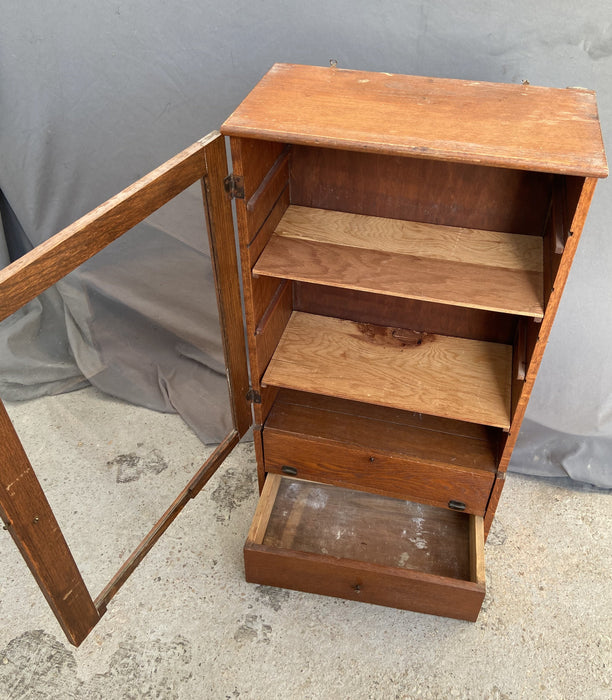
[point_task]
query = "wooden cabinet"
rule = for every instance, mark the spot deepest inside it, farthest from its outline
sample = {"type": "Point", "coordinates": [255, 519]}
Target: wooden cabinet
{"type": "Point", "coordinates": [404, 244]}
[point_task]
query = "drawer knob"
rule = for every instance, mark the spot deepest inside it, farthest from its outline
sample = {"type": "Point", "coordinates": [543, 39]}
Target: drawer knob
{"type": "Point", "coordinates": [356, 588]}
{"type": "Point", "coordinates": [456, 505]}
{"type": "Point", "coordinates": [290, 471]}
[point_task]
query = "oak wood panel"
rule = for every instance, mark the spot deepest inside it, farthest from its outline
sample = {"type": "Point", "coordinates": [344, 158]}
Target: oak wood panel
{"type": "Point", "coordinates": [376, 471]}
{"type": "Point", "coordinates": [265, 504]}
{"type": "Point", "coordinates": [366, 527]}
{"type": "Point", "coordinates": [262, 292]}
{"type": "Point", "coordinates": [513, 126]}
{"type": "Point", "coordinates": [254, 211]}
{"type": "Point", "coordinates": [496, 492]}
{"type": "Point", "coordinates": [28, 517]}
{"type": "Point", "coordinates": [414, 189]}
{"type": "Point", "coordinates": [477, 561]}
{"type": "Point", "coordinates": [245, 157]}
{"type": "Point", "coordinates": [576, 227]}
{"type": "Point", "coordinates": [272, 326]}
{"type": "Point", "coordinates": [37, 270]}
{"type": "Point", "coordinates": [519, 362]}
{"type": "Point", "coordinates": [254, 248]}
{"type": "Point", "coordinates": [259, 455]}
{"type": "Point", "coordinates": [399, 237]}
{"type": "Point", "coordinates": [440, 375]}
{"type": "Point", "coordinates": [448, 265]}
{"type": "Point", "coordinates": [415, 436]}
{"type": "Point", "coordinates": [220, 226]}
{"type": "Point", "coordinates": [392, 553]}
{"type": "Point", "coordinates": [367, 583]}
{"type": "Point", "coordinates": [288, 399]}
{"type": "Point", "coordinates": [268, 396]}
{"type": "Point", "coordinates": [423, 458]}
{"type": "Point", "coordinates": [256, 159]}
{"type": "Point", "coordinates": [423, 316]}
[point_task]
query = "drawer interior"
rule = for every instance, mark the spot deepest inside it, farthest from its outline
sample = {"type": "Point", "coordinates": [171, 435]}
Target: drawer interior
{"type": "Point", "coordinates": [341, 542]}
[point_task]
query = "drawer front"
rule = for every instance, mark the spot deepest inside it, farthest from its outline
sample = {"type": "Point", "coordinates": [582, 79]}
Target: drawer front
{"type": "Point", "coordinates": [375, 471]}
{"type": "Point", "coordinates": [374, 549]}
{"type": "Point", "coordinates": [406, 590]}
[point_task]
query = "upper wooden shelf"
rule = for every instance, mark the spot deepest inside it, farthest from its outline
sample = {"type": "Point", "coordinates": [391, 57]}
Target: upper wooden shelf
{"type": "Point", "coordinates": [450, 265]}
{"type": "Point", "coordinates": [467, 380]}
{"type": "Point", "coordinates": [496, 124]}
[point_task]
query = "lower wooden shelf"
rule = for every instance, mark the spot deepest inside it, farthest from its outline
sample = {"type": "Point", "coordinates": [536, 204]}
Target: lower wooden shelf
{"type": "Point", "coordinates": [334, 541]}
{"type": "Point", "coordinates": [459, 378]}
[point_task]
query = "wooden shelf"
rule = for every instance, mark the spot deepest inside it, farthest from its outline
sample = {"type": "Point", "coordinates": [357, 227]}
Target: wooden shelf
{"type": "Point", "coordinates": [450, 265]}
{"type": "Point", "coordinates": [439, 375]}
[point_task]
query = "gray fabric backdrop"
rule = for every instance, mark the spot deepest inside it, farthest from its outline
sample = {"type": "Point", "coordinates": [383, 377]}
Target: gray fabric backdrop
{"type": "Point", "coordinates": [94, 95]}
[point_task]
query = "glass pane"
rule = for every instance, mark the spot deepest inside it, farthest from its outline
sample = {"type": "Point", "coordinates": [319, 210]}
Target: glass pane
{"type": "Point", "coordinates": [105, 371]}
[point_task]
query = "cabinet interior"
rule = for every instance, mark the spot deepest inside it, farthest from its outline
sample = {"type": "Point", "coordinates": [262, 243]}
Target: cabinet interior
{"type": "Point", "coordinates": [370, 273]}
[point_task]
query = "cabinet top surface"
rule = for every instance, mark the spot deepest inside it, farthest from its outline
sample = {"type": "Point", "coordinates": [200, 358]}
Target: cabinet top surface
{"type": "Point", "coordinates": [495, 124]}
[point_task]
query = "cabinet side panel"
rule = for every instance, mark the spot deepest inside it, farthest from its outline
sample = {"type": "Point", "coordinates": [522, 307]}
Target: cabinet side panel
{"type": "Point", "coordinates": [564, 202]}
{"type": "Point", "coordinates": [257, 157]}
{"type": "Point", "coordinates": [451, 194]}
{"type": "Point", "coordinates": [569, 251]}
{"type": "Point", "coordinates": [264, 167]}
{"type": "Point", "coordinates": [270, 329]}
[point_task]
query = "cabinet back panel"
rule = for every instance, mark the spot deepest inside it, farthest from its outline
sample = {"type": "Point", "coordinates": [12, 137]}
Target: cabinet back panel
{"type": "Point", "coordinates": [365, 307]}
{"type": "Point", "coordinates": [437, 192]}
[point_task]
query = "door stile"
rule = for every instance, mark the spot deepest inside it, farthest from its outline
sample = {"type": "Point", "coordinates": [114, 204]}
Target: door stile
{"type": "Point", "coordinates": [221, 236]}
{"type": "Point", "coordinates": [28, 517]}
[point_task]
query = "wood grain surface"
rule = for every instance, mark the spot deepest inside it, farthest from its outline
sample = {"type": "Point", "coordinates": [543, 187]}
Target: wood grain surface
{"type": "Point", "coordinates": [425, 316]}
{"type": "Point", "coordinates": [463, 267]}
{"type": "Point", "coordinates": [398, 237]}
{"type": "Point", "coordinates": [450, 377]}
{"type": "Point", "coordinates": [415, 436]}
{"type": "Point", "coordinates": [220, 228]}
{"type": "Point", "coordinates": [363, 547]}
{"type": "Point", "coordinates": [417, 189]}
{"type": "Point", "coordinates": [373, 448]}
{"type": "Point", "coordinates": [514, 126]}
{"type": "Point", "coordinates": [37, 270]}
{"type": "Point", "coordinates": [28, 517]}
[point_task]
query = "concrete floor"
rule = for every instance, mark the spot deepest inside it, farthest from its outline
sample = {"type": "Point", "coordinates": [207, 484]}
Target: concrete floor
{"type": "Point", "coordinates": [186, 625]}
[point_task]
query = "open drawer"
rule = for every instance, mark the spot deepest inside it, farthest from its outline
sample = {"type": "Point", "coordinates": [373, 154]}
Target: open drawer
{"type": "Point", "coordinates": [335, 541]}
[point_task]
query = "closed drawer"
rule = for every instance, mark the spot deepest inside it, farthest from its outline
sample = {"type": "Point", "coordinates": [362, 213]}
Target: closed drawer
{"type": "Point", "coordinates": [430, 460]}
{"type": "Point", "coordinates": [365, 547]}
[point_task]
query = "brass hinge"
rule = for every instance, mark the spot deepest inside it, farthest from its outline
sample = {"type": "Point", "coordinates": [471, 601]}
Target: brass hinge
{"type": "Point", "coordinates": [253, 396]}
{"type": "Point", "coordinates": [234, 186]}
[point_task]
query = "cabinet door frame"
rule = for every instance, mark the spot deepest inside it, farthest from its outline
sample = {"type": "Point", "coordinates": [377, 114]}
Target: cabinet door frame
{"type": "Point", "coordinates": [24, 508]}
